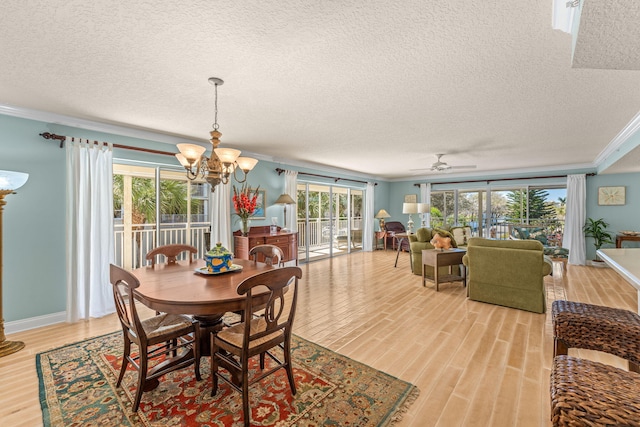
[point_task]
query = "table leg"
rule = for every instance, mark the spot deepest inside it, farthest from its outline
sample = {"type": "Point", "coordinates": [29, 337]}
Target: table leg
{"type": "Point", "coordinates": [435, 274]}
{"type": "Point", "coordinates": [208, 324]}
{"type": "Point", "coordinates": [424, 281]}
{"type": "Point", "coordinates": [398, 253]}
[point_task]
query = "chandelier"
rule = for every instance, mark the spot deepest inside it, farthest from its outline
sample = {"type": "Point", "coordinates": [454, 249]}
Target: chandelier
{"type": "Point", "coordinates": [223, 161]}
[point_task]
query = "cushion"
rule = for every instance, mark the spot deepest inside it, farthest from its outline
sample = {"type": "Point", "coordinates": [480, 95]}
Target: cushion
{"type": "Point", "coordinates": [445, 233]}
{"type": "Point", "coordinates": [538, 234]}
{"type": "Point", "coordinates": [423, 235]}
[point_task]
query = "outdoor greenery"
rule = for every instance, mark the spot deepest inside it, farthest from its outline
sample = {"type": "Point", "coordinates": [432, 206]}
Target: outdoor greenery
{"type": "Point", "coordinates": [535, 200]}
{"type": "Point", "coordinates": [319, 204]}
{"type": "Point", "coordinates": [173, 198]}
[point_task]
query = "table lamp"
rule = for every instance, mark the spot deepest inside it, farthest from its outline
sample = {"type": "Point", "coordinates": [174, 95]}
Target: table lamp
{"type": "Point", "coordinates": [423, 209]}
{"type": "Point", "coordinates": [409, 208]}
{"type": "Point", "coordinates": [285, 200]}
{"type": "Point", "coordinates": [381, 215]}
{"type": "Point", "coordinates": [9, 181]}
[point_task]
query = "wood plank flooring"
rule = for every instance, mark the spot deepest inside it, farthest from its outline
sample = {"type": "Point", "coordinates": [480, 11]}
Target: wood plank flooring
{"type": "Point", "coordinates": [475, 364]}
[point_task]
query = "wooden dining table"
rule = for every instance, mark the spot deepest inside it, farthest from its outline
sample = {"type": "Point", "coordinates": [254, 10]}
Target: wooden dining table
{"type": "Point", "coordinates": [179, 289]}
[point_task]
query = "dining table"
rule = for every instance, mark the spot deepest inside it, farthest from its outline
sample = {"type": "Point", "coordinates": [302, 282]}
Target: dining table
{"type": "Point", "coordinates": [187, 288]}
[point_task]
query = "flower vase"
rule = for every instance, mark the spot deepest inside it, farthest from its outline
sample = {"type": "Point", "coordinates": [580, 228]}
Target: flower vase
{"type": "Point", "coordinates": [245, 226]}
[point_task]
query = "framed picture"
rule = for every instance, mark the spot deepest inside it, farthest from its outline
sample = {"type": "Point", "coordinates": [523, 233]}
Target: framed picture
{"type": "Point", "coordinates": [260, 212]}
{"type": "Point", "coordinates": [611, 196]}
{"type": "Point", "coordinates": [410, 198]}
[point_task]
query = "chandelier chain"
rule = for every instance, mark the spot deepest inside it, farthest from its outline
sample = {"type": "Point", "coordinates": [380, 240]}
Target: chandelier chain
{"type": "Point", "coordinates": [215, 111]}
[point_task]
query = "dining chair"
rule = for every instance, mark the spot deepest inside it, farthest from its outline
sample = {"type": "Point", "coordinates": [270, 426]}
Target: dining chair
{"type": "Point", "coordinates": [171, 252]}
{"type": "Point", "coordinates": [157, 336]}
{"type": "Point", "coordinates": [272, 254]}
{"type": "Point", "coordinates": [232, 347]}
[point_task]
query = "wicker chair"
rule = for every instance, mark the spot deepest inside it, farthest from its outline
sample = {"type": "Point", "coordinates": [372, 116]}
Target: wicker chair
{"type": "Point", "coordinates": [594, 327]}
{"type": "Point", "coordinates": [587, 393]}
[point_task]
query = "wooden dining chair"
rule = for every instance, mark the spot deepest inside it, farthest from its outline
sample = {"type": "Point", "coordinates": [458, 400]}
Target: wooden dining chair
{"type": "Point", "coordinates": [161, 335]}
{"type": "Point", "coordinates": [171, 252]}
{"type": "Point", "coordinates": [232, 347]}
{"type": "Point", "coordinates": [272, 254]}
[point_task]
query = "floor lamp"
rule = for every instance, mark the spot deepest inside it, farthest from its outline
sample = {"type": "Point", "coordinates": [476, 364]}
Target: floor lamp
{"type": "Point", "coordinates": [9, 181]}
{"type": "Point", "coordinates": [285, 200]}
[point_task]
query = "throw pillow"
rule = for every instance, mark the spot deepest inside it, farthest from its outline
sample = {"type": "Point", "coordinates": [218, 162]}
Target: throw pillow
{"type": "Point", "coordinates": [445, 233]}
{"type": "Point", "coordinates": [539, 235]}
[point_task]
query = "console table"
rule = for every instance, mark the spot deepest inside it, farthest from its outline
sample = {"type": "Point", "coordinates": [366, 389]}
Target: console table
{"type": "Point", "coordinates": [622, 237]}
{"type": "Point", "coordinates": [261, 235]}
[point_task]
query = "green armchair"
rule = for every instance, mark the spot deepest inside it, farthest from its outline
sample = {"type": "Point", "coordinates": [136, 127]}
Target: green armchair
{"type": "Point", "coordinates": [421, 240]}
{"type": "Point", "coordinates": [507, 272]}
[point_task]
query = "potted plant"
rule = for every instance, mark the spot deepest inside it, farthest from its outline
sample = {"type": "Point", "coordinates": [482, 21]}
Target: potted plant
{"type": "Point", "coordinates": [597, 230]}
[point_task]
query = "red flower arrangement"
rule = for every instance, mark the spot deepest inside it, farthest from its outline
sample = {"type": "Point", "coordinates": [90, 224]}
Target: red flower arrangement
{"type": "Point", "coordinates": [245, 201]}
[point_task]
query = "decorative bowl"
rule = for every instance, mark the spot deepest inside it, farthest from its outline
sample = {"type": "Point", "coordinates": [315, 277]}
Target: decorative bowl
{"type": "Point", "coordinates": [218, 259]}
{"type": "Point", "coordinates": [630, 233]}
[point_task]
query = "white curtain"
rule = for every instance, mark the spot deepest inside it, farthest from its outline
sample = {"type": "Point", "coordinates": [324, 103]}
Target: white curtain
{"type": "Point", "coordinates": [575, 218]}
{"type": "Point", "coordinates": [367, 229]}
{"type": "Point", "coordinates": [291, 188]}
{"type": "Point", "coordinates": [89, 229]}
{"type": "Point", "coordinates": [425, 197]}
{"type": "Point", "coordinates": [221, 216]}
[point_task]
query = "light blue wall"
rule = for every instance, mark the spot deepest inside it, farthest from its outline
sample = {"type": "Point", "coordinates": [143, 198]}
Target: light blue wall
{"type": "Point", "coordinates": [34, 222]}
{"type": "Point", "coordinates": [624, 217]}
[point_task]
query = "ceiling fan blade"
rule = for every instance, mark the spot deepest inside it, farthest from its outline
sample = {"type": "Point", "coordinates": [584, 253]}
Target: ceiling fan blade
{"type": "Point", "coordinates": [464, 167]}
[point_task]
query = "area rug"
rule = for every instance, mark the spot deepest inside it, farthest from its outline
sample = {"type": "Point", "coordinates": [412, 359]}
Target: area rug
{"type": "Point", "coordinates": [77, 388]}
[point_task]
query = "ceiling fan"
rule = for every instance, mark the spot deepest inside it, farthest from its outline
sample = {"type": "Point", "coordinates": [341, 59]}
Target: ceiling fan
{"type": "Point", "coordinates": [440, 166]}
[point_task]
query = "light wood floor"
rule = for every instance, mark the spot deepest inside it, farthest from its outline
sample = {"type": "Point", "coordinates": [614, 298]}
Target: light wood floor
{"type": "Point", "coordinates": [474, 363]}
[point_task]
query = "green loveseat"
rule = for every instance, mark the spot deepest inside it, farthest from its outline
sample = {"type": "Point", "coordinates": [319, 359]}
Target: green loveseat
{"type": "Point", "coordinates": [421, 240]}
{"type": "Point", "coordinates": [507, 272]}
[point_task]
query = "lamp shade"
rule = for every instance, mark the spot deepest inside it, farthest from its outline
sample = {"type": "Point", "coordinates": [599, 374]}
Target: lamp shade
{"type": "Point", "coordinates": [423, 208]}
{"type": "Point", "coordinates": [409, 208]}
{"type": "Point", "coordinates": [285, 199]}
{"type": "Point", "coordinates": [382, 214]}
{"type": "Point", "coordinates": [246, 163]}
{"type": "Point", "coordinates": [10, 180]}
{"type": "Point", "coordinates": [190, 152]}
{"type": "Point", "coordinates": [227, 155]}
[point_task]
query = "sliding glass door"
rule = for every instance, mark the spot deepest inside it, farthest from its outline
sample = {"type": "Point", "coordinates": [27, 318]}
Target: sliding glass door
{"type": "Point", "coordinates": [154, 207]}
{"type": "Point", "coordinates": [329, 220]}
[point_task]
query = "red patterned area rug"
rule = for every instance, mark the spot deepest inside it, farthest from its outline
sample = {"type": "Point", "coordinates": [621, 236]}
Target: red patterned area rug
{"type": "Point", "coordinates": [77, 388]}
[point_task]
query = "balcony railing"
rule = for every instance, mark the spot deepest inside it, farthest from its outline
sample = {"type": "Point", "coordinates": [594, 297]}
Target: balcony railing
{"type": "Point", "coordinates": [143, 237]}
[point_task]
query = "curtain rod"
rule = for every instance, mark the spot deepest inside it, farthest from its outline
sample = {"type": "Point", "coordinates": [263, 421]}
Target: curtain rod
{"type": "Point", "coordinates": [502, 179]}
{"type": "Point", "coordinates": [62, 138]}
{"type": "Point", "coordinates": [281, 171]}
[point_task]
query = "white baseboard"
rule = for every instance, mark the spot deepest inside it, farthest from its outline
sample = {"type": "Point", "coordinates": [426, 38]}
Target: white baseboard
{"type": "Point", "coordinates": [34, 322]}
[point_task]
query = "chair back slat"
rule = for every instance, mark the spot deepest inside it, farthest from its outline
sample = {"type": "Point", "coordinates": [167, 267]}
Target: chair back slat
{"type": "Point", "coordinates": [123, 284]}
{"type": "Point", "coordinates": [280, 307]}
{"type": "Point", "coordinates": [171, 252]}
{"type": "Point", "coordinates": [273, 255]}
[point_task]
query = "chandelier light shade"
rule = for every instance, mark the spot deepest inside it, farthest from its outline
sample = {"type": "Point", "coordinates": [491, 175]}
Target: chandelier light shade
{"type": "Point", "coordinates": [223, 161]}
{"type": "Point", "coordinates": [409, 208]}
{"type": "Point", "coordinates": [381, 215]}
{"type": "Point", "coordinates": [285, 200]}
{"type": "Point", "coordinates": [9, 182]}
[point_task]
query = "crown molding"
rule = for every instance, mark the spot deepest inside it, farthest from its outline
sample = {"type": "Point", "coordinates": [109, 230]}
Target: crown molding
{"type": "Point", "coordinates": [623, 136]}
{"type": "Point", "coordinates": [60, 119]}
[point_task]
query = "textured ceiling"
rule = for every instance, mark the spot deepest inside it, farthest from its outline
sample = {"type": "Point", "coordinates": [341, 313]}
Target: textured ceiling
{"type": "Point", "coordinates": [375, 87]}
